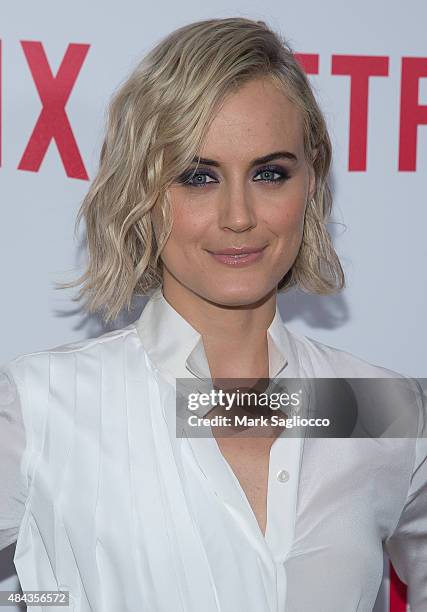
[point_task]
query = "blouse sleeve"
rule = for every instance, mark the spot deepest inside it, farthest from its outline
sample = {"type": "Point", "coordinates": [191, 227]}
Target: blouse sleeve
{"type": "Point", "coordinates": [13, 488]}
{"type": "Point", "coordinates": [407, 546]}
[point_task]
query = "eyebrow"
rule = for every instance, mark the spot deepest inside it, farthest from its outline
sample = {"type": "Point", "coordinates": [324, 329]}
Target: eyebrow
{"type": "Point", "coordinates": [259, 160]}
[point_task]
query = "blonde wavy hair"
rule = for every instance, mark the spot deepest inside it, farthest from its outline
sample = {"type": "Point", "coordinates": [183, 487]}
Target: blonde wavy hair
{"type": "Point", "coordinates": [156, 123]}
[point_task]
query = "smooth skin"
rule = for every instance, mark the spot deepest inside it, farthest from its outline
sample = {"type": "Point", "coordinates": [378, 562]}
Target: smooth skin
{"type": "Point", "coordinates": [231, 204]}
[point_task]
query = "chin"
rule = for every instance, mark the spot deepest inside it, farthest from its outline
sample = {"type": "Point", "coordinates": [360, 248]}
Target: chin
{"type": "Point", "coordinates": [237, 296]}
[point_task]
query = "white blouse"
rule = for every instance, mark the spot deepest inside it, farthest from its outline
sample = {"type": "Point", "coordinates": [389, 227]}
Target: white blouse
{"type": "Point", "coordinates": [104, 500]}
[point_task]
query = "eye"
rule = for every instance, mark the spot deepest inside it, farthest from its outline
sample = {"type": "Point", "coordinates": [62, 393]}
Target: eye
{"type": "Point", "coordinates": [272, 174]}
{"type": "Point", "coordinates": [269, 174]}
{"type": "Point", "coordinates": [196, 179]}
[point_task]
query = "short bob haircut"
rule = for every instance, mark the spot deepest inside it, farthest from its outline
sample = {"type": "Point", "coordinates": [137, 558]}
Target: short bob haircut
{"type": "Point", "coordinates": [156, 123]}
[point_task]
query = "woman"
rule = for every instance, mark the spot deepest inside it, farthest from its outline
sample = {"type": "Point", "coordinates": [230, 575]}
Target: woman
{"type": "Point", "coordinates": [211, 197]}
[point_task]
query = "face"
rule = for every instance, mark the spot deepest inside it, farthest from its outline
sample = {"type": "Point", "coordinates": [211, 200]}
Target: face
{"type": "Point", "coordinates": [235, 200]}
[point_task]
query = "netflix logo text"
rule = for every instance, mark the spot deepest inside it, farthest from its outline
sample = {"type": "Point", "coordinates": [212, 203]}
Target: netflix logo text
{"type": "Point", "coordinates": [54, 92]}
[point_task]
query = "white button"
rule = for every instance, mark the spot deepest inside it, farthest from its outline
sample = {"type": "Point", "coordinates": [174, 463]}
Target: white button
{"type": "Point", "coordinates": [283, 476]}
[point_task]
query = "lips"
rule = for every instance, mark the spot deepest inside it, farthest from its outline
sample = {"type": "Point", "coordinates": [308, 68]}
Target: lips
{"type": "Point", "coordinates": [245, 250]}
{"type": "Point", "coordinates": [238, 257]}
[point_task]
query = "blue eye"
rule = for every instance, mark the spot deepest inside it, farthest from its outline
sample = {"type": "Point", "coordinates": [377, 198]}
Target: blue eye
{"type": "Point", "coordinates": [269, 172]}
{"type": "Point", "coordinates": [193, 179]}
{"type": "Point", "coordinates": [199, 179]}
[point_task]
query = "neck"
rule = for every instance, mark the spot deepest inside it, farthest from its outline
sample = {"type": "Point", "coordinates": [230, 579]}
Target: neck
{"type": "Point", "coordinates": [234, 336]}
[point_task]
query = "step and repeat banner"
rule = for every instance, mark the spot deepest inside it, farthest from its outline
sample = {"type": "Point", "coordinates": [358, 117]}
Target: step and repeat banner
{"type": "Point", "coordinates": [367, 62]}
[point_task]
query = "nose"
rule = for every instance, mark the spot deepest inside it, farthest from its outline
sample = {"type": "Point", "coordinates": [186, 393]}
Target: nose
{"type": "Point", "coordinates": [236, 209]}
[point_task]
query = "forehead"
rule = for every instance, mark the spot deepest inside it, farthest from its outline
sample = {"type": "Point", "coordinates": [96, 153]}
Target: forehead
{"type": "Point", "coordinates": [255, 120]}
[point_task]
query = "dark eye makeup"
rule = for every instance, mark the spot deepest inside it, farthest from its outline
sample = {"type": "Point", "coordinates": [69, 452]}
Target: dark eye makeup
{"type": "Point", "coordinates": [192, 177]}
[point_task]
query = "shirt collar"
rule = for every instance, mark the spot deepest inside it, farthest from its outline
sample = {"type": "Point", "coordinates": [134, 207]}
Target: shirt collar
{"type": "Point", "coordinates": [177, 350]}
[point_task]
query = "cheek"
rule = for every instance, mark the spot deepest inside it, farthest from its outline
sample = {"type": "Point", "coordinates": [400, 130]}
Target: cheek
{"type": "Point", "coordinates": [189, 227]}
{"type": "Point", "coordinates": [288, 220]}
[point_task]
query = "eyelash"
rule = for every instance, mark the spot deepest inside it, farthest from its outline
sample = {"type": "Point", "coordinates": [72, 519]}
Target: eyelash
{"type": "Point", "coordinates": [188, 176]}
